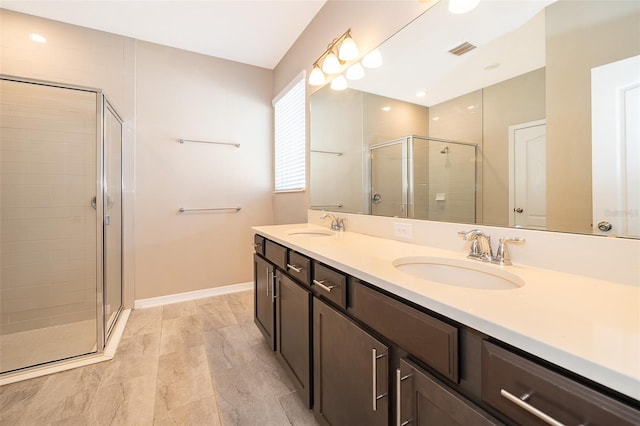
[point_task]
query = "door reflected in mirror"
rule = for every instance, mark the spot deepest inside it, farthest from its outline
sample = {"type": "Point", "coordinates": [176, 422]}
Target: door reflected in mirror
{"type": "Point", "coordinates": [527, 98]}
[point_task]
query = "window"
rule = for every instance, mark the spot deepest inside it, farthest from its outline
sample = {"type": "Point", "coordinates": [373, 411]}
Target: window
{"type": "Point", "coordinates": [290, 136]}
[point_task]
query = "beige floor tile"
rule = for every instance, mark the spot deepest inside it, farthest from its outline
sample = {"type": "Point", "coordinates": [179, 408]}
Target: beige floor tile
{"type": "Point", "coordinates": [183, 378]}
{"type": "Point", "coordinates": [197, 413]}
{"type": "Point", "coordinates": [192, 363]}
{"type": "Point", "coordinates": [126, 403]}
{"type": "Point", "coordinates": [216, 314]}
{"type": "Point", "coordinates": [143, 321]}
{"type": "Point", "coordinates": [177, 310]}
{"type": "Point", "coordinates": [181, 332]}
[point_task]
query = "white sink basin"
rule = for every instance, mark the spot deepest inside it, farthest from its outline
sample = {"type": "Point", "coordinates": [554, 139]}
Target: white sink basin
{"type": "Point", "coordinates": [310, 233]}
{"type": "Point", "coordinates": [460, 273]}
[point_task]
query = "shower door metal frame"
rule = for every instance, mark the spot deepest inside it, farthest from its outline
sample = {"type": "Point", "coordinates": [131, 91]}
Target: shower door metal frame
{"type": "Point", "coordinates": [405, 175]}
{"type": "Point", "coordinates": [408, 196]}
{"type": "Point", "coordinates": [106, 105]}
{"type": "Point", "coordinates": [102, 102]}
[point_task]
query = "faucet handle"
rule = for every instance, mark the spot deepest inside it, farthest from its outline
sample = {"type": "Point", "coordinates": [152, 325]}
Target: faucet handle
{"type": "Point", "coordinates": [502, 255]}
{"type": "Point", "coordinates": [466, 235]}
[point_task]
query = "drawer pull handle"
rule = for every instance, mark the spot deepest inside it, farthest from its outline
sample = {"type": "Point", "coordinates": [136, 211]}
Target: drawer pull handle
{"type": "Point", "coordinates": [374, 378]}
{"type": "Point", "coordinates": [324, 287]}
{"type": "Point", "coordinates": [268, 280]}
{"type": "Point", "coordinates": [273, 288]}
{"type": "Point", "coordinates": [399, 379]}
{"type": "Point", "coordinates": [294, 268]}
{"type": "Point", "coordinates": [520, 402]}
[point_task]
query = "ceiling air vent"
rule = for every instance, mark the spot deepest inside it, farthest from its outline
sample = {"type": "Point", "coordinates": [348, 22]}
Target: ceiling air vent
{"type": "Point", "coordinates": [463, 48]}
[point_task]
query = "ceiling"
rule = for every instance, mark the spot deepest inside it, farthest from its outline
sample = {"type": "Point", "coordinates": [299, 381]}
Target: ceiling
{"type": "Point", "coordinates": [510, 40]}
{"type": "Point", "coordinates": [255, 32]}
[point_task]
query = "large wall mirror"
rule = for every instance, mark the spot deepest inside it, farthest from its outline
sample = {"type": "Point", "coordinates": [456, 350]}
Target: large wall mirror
{"type": "Point", "coordinates": [517, 113]}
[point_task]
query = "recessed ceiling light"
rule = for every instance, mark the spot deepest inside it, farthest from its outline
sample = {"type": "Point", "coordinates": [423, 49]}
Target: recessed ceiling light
{"type": "Point", "coordinates": [37, 38]}
{"type": "Point", "coordinates": [385, 109]}
{"type": "Point", "coordinates": [421, 94]}
{"type": "Point", "coordinates": [492, 66]}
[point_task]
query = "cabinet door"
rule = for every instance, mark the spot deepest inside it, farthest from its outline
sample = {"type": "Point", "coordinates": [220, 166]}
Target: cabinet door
{"type": "Point", "coordinates": [350, 371]}
{"type": "Point", "coordinates": [293, 311]}
{"type": "Point", "coordinates": [422, 400]}
{"type": "Point", "coordinates": [263, 298]}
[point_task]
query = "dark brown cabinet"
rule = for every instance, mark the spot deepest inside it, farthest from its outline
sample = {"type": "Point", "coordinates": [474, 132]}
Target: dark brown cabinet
{"type": "Point", "coordinates": [350, 371]}
{"type": "Point", "coordinates": [263, 298]}
{"type": "Point", "coordinates": [531, 394]}
{"type": "Point", "coordinates": [429, 339]}
{"type": "Point", "coordinates": [293, 310]}
{"type": "Point", "coordinates": [423, 400]}
{"type": "Point", "coordinates": [326, 328]}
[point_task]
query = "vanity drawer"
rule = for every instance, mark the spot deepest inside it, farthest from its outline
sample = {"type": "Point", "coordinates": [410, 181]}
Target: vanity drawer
{"type": "Point", "coordinates": [330, 284]}
{"type": "Point", "coordinates": [299, 267]}
{"type": "Point", "coordinates": [432, 341]}
{"type": "Point", "coordinates": [258, 244]}
{"type": "Point", "coordinates": [517, 386]}
{"type": "Point", "coordinates": [276, 254]}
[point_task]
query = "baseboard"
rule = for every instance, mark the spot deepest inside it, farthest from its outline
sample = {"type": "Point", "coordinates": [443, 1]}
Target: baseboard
{"type": "Point", "coordinates": [191, 295]}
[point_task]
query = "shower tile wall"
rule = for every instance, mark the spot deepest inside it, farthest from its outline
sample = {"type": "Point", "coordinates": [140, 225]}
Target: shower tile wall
{"type": "Point", "coordinates": [48, 176]}
{"type": "Point", "coordinates": [84, 57]}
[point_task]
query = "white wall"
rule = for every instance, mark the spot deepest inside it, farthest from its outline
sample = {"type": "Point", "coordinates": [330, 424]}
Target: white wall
{"type": "Point", "coordinates": [186, 95]}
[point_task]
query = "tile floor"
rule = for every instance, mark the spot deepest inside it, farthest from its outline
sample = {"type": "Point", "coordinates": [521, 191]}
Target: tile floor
{"type": "Point", "coordinates": [201, 362]}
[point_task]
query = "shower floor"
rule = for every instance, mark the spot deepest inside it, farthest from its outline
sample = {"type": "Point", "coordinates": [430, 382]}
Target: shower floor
{"type": "Point", "coordinates": [32, 347]}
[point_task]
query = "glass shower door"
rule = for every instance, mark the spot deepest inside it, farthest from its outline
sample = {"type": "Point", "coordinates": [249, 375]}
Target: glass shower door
{"type": "Point", "coordinates": [112, 203]}
{"type": "Point", "coordinates": [389, 179]}
{"type": "Point", "coordinates": [49, 262]}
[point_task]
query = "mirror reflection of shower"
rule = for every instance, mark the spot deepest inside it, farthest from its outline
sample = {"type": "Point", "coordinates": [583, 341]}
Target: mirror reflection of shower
{"type": "Point", "coordinates": [443, 190]}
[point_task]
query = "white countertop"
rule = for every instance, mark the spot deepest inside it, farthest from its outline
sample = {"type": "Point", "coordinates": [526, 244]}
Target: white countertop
{"type": "Point", "coordinates": [588, 326]}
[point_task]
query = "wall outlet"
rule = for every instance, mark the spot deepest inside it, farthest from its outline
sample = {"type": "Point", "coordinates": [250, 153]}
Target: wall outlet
{"type": "Point", "coordinates": [402, 230]}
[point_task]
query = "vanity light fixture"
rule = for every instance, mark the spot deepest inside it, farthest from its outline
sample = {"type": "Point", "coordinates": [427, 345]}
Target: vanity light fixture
{"type": "Point", "coordinates": [37, 38]}
{"type": "Point", "coordinates": [386, 108]}
{"type": "Point", "coordinates": [355, 72]}
{"type": "Point", "coordinates": [462, 6]}
{"type": "Point", "coordinates": [339, 83]}
{"type": "Point", "coordinates": [340, 51]}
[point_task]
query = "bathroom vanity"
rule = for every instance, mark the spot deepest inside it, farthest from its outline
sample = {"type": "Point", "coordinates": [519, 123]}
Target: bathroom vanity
{"type": "Point", "coordinates": [368, 341]}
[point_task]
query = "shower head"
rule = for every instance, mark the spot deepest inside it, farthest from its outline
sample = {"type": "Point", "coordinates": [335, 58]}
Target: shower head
{"type": "Point", "coordinates": [445, 150]}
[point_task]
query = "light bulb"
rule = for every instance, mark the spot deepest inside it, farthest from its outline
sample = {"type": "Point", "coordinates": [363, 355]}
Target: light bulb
{"type": "Point", "coordinates": [331, 64]}
{"type": "Point", "coordinates": [462, 6]}
{"type": "Point", "coordinates": [372, 59]}
{"type": "Point", "coordinates": [37, 38]}
{"type": "Point", "coordinates": [316, 78]}
{"type": "Point", "coordinates": [339, 83]}
{"type": "Point", "coordinates": [348, 50]}
{"type": "Point", "coordinates": [355, 72]}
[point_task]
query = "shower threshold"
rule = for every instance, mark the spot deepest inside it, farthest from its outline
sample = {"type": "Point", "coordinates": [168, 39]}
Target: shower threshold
{"type": "Point", "coordinates": [71, 363]}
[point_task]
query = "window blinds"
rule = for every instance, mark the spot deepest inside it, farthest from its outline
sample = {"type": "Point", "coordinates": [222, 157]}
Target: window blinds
{"type": "Point", "coordinates": [289, 125]}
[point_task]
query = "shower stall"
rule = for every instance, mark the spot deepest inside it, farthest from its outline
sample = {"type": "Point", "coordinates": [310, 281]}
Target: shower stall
{"type": "Point", "coordinates": [423, 178]}
{"type": "Point", "coordinates": [60, 222]}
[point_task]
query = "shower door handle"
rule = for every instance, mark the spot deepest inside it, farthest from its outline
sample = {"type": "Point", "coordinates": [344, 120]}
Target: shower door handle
{"type": "Point", "coordinates": [93, 203]}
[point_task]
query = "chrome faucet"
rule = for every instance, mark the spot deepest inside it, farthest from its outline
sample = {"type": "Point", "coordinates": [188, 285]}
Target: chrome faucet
{"type": "Point", "coordinates": [502, 255]}
{"type": "Point", "coordinates": [480, 245]}
{"type": "Point", "coordinates": [337, 223]}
